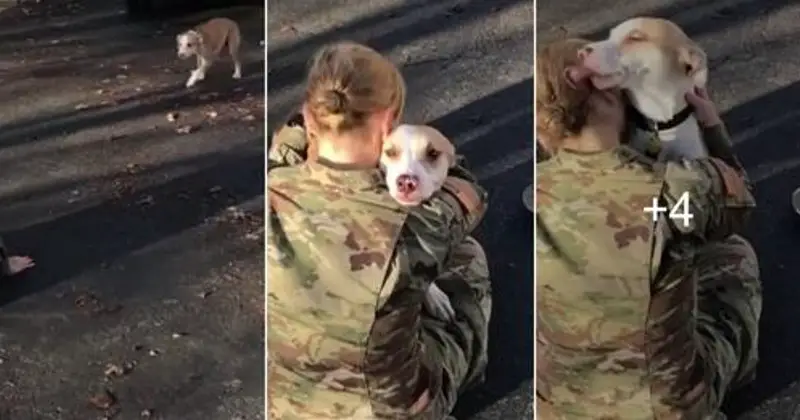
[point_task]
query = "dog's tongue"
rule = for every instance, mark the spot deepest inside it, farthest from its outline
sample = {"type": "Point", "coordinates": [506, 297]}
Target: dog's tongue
{"type": "Point", "coordinates": [579, 74]}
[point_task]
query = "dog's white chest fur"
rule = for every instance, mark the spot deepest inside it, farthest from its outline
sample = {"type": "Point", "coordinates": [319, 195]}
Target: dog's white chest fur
{"type": "Point", "coordinates": [683, 141]}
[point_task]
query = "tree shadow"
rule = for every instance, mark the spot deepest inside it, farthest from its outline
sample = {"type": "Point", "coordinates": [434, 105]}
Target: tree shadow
{"type": "Point", "coordinates": [147, 51]}
{"type": "Point", "coordinates": [68, 245]}
{"type": "Point", "coordinates": [506, 231]}
{"type": "Point", "coordinates": [774, 229]}
{"type": "Point", "coordinates": [157, 101]}
{"type": "Point", "coordinates": [712, 18]}
{"type": "Point", "coordinates": [287, 65]}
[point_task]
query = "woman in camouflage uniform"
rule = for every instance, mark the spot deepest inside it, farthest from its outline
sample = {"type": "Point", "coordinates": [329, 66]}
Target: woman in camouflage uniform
{"type": "Point", "coordinates": [348, 267]}
{"type": "Point", "coordinates": [638, 317]}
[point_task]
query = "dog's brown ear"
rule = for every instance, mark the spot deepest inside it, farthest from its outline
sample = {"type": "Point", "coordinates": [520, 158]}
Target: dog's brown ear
{"type": "Point", "coordinates": [694, 63]}
{"type": "Point", "coordinates": [449, 151]}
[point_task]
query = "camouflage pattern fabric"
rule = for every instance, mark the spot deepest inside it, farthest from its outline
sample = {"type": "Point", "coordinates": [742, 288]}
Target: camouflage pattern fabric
{"type": "Point", "coordinates": [729, 294]}
{"type": "Point", "coordinates": [640, 319]}
{"type": "Point", "coordinates": [348, 268]}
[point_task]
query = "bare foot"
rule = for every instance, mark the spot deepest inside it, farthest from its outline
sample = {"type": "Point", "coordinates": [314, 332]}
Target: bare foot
{"type": "Point", "coordinates": [18, 264]}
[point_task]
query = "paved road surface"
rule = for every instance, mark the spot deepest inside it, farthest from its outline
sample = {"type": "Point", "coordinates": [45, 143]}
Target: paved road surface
{"type": "Point", "coordinates": [755, 71]}
{"type": "Point", "coordinates": [468, 67]}
{"type": "Point", "coordinates": [140, 265]}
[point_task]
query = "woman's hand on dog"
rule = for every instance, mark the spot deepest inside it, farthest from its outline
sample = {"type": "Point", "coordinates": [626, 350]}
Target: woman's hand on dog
{"type": "Point", "coordinates": [704, 109]}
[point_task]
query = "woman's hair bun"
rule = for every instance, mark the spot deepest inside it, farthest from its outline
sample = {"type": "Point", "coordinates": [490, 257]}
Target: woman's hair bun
{"type": "Point", "coordinates": [335, 101]}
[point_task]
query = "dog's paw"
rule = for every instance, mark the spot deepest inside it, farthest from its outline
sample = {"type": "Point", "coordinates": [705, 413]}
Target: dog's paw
{"type": "Point", "coordinates": [438, 304]}
{"type": "Point", "coordinates": [191, 82]}
{"type": "Point", "coordinates": [237, 75]}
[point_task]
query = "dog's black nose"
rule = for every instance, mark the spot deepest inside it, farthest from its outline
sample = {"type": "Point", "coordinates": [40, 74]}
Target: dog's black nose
{"type": "Point", "coordinates": [407, 184]}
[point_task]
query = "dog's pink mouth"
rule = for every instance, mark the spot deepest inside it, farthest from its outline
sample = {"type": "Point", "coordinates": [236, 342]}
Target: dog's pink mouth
{"type": "Point", "coordinates": [411, 199]}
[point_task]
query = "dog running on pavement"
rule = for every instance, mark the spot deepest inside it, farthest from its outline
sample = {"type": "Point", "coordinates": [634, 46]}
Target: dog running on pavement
{"type": "Point", "coordinates": [206, 42]}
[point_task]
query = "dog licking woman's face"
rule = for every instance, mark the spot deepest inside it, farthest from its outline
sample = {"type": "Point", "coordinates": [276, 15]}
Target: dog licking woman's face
{"type": "Point", "coordinates": [567, 101]}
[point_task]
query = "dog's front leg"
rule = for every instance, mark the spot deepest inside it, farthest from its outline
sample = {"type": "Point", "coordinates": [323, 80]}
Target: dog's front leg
{"type": "Point", "coordinates": [199, 73]}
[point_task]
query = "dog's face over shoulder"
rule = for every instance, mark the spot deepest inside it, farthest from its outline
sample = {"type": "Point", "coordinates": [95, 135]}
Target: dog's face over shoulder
{"type": "Point", "coordinates": [188, 43]}
{"type": "Point", "coordinates": [416, 159]}
{"type": "Point", "coordinates": [646, 51]}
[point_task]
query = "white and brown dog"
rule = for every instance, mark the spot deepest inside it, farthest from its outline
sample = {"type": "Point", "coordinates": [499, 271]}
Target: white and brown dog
{"type": "Point", "coordinates": [416, 159]}
{"type": "Point", "coordinates": [206, 42]}
{"type": "Point", "coordinates": [656, 64]}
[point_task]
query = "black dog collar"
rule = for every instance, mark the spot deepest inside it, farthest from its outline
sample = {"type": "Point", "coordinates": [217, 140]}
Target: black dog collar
{"type": "Point", "coordinates": [644, 123]}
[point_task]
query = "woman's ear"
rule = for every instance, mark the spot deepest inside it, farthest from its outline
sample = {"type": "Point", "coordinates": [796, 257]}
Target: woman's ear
{"type": "Point", "coordinates": [386, 121]}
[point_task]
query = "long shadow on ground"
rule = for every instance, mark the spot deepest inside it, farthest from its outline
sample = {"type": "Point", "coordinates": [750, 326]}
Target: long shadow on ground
{"type": "Point", "coordinates": [506, 233]}
{"type": "Point", "coordinates": [288, 64]}
{"type": "Point", "coordinates": [65, 246]}
{"type": "Point", "coordinates": [770, 152]}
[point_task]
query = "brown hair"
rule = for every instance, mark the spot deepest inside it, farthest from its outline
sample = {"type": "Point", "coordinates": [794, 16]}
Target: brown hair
{"type": "Point", "coordinates": [348, 82]}
{"type": "Point", "coordinates": [561, 107]}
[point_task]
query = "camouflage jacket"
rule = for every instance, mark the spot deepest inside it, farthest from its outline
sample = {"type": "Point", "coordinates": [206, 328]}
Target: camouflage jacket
{"type": "Point", "coordinates": [616, 332]}
{"type": "Point", "coordinates": [347, 271]}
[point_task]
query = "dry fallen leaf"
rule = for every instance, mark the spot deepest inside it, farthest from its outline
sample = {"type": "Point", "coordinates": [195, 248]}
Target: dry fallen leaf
{"type": "Point", "coordinates": [146, 413]}
{"type": "Point", "coordinates": [113, 370]}
{"type": "Point", "coordinates": [146, 200]}
{"type": "Point", "coordinates": [172, 116]}
{"type": "Point", "coordinates": [212, 114]}
{"type": "Point", "coordinates": [103, 400]}
{"type": "Point", "coordinates": [186, 129]}
{"type": "Point", "coordinates": [81, 106]}
{"type": "Point", "coordinates": [249, 117]}
{"type": "Point", "coordinates": [289, 28]}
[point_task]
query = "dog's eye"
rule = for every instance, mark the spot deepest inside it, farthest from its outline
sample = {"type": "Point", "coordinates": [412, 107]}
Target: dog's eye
{"type": "Point", "coordinates": [635, 36]}
{"type": "Point", "coordinates": [391, 153]}
{"type": "Point", "coordinates": [433, 154]}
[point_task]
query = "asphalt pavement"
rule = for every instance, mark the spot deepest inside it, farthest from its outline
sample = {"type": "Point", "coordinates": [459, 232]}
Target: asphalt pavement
{"type": "Point", "coordinates": [142, 203]}
{"type": "Point", "coordinates": [755, 79]}
{"type": "Point", "coordinates": [468, 69]}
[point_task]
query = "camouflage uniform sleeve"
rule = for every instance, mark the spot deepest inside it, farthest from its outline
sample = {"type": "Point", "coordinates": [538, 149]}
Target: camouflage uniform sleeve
{"type": "Point", "coordinates": [715, 196]}
{"type": "Point", "coordinates": [719, 145]}
{"type": "Point", "coordinates": [426, 241]}
{"type": "Point", "coordinates": [394, 364]}
{"type": "Point", "coordinates": [288, 146]}
{"type": "Point", "coordinates": [463, 195]}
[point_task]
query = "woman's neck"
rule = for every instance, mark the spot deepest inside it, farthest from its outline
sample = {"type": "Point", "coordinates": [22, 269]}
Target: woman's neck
{"type": "Point", "coordinates": [330, 150]}
{"type": "Point", "coordinates": [596, 138]}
